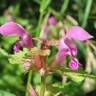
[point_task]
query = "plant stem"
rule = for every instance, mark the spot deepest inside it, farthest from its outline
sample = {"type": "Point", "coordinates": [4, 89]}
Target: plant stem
{"type": "Point", "coordinates": [55, 13]}
{"type": "Point", "coordinates": [28, 82]}
{"type": "Point", "coordinates": [39, 23]}
{"type": "Point", "coordinates": [40, 19]}
{"type": "Point", "coordinates": [64, 6]}
{"type": "Point", "coordinates": [43, 86]}
{"type": "Point", "coordinates": [87, 11]}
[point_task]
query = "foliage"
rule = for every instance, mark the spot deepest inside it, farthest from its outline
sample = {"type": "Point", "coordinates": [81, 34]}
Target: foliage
{"type": "Point", "coordinates": [31, 14]}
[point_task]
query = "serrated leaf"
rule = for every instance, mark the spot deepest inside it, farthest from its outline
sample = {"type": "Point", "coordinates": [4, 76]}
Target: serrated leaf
{"type": "Point", "coordinates": [45, 52]}
{"type": "Point", "coordinates": [18, 58]}
{"type": "Point", "coordinates": [35, 51]}
{"type": "Point", "coordinates": [79, 73]}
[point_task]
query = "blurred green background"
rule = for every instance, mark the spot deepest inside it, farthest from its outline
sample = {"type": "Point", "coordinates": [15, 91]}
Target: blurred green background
{"type": "Point", "coordinates": [27, 13]}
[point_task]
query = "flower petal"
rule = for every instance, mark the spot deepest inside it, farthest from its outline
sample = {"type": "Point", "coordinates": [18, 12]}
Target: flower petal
{"type": "Point", "coordinates": [62, 45]}
{"type": "Point", "coordinates": [78, 33]}
{"type": "Point", "coordinates": [66, 47]}
{"type": "Point", "coordinates": [27, 40]}
{"type": "Point", "coordinates": [60, 56]}
{"type": "Point", "coordinates": [11, 28]}
{"type": "Point", "coordinates": [71, 45]}
{"type": "Point", "coordinates": [17, 46]}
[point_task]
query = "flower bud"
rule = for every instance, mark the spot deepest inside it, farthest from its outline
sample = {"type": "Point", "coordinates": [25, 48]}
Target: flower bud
{"type": "Point", "coordinates": [74, 64]}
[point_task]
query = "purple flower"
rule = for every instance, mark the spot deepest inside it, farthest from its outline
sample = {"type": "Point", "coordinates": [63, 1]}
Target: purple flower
{"type": "Point", "coordinates": [13, 29]}
{"type": "Point", "coordinates": [66, 45]}
{"type": "Point", "coordinates": [78, 33]}
{"type": "Point", "coordinates": [72, 47]}
{"type": "Point", "coordinates": [60, 56]}
{"type": "Point", "coordinates": [74, 64]}
{"type": "Point", "coordinates": [52, 20]}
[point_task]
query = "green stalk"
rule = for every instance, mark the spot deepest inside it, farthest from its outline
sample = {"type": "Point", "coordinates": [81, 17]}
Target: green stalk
{"type": "Point", "coordinates": [55, 13]}
{"type": "Point", "coordinates": [40, 19]}
{"type": "Point", "coordinates": [28, 82]}
{"type": "Point", "coordinates": [87, 11]}
{"type": "Point", "coordinates": [39, 23]}
{"type": "Point", "coordinates": [43, 86]}
{"type": "Point", "coordinates": [64, 6]}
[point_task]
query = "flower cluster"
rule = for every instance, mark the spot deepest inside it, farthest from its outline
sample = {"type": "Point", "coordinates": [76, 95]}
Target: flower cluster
{"type": "Point", "coordinates": [36, 58]}
{"type": "Point", "coordinates": [66, 45]}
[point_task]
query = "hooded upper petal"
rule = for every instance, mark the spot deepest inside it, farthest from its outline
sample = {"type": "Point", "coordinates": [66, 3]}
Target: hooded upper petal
{"type": "Point", "coordinates": [78, 33]}
{"type": "Point", "coordinates": [11, 28]}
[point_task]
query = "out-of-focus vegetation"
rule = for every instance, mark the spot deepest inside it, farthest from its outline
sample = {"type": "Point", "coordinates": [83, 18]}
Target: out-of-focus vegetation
{"type": "Point", "coordinates": [31, 14]}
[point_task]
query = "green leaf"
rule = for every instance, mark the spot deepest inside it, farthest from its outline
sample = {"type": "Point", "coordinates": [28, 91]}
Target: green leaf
{"type": "Point", "coordinates": [67, 71]}
{"type": "Point", "coordinates": [35, 51]}
{"type": "Point", "coordinates": [86, 13]}
{"type": "Point", "coordinates": [8, 40]}
{"type": "Point", "coordinates": [70, 89]}
{"type": "Point", "coordinates": [9, 80]}
{"type": "Point", "coordinates": [3, 19]}
{"type": "Point", "coordinates": [18, 58]}
{"type": "Point", "coordinates": [2, 51]}
{"type": "Point", "coordinates": [22, 21]}
{"type": "Point", "coordinates": [94, 24]}
{"type": "Point", "coordinates": [4, 93]}
{"type": "Point", "coordinates": [75, 77]}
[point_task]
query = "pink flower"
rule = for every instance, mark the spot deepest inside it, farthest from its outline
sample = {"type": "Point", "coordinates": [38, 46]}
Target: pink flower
{"type": "Point", "coordinates": [13, 29]}
{"type": "Point", "coordinates": [67, 46]}
{"type": "Point", "coordinates": [52, 20]}
{"type": "Point", "coordinates": [74, 64]}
